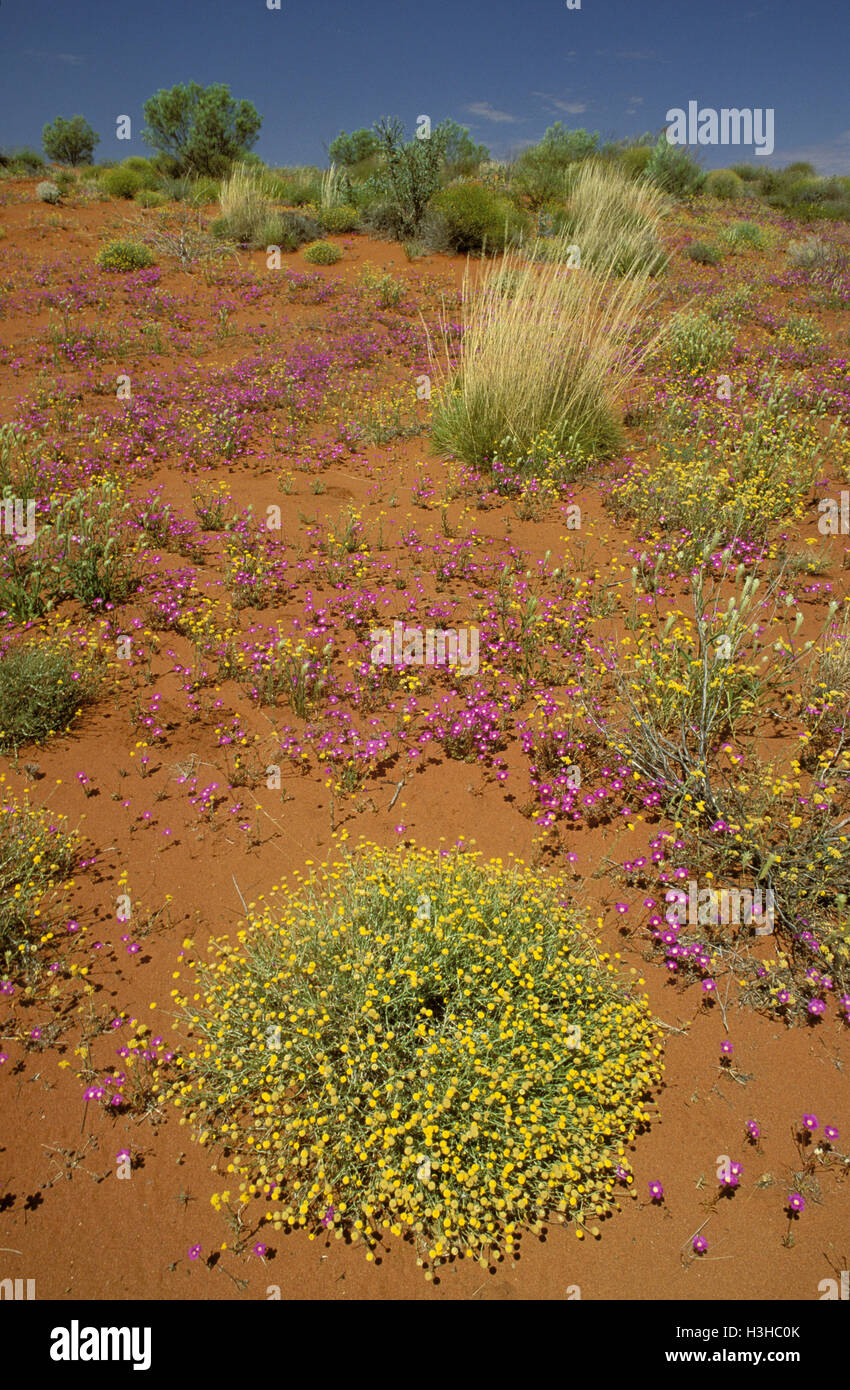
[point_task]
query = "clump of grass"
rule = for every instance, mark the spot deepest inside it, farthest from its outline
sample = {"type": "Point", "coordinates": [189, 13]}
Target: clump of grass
{"type": "Point", "coordinates": [553, 356]}
{"type": "Point", "coordinates": [615, 220]}
{"type": "Point", "coordinates": [43, 687]}
{"type": "Point", "coordinates": [703, 252]}
{"type": "Point", "coordinates": [418, 1042]}
{"type": "Point", "coordinates": [47, 192]}
{"type": "Point", "coordinates": [35, 856]}
{"type": "Point", "coordinates": [743, 236]}
{"type": "Point", "coordinates": [322, 253]}
{"type": "Point", "coordinates": [696, 343]}
{"type": "Point", "coordinates": [124, 256]}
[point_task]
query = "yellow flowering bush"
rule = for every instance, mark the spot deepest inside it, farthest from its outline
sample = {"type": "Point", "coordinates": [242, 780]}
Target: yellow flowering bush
{"type": "Point", "coordinates": [418, 1042]}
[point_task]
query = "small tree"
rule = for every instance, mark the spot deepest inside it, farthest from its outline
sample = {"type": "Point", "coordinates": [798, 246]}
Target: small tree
{"type": "Point", "coordinates": [463, 156]}
{"type": "Point", "coordinates": [349, 150]}
{"type": "Point", "coordinates": [200, 130]}
{"type": "Point", "coordinates": [69, 142]}
{"type": "Point", "coordinates": [411, 172]}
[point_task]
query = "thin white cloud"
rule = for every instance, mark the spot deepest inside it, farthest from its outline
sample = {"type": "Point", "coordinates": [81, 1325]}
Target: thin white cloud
{"type": "Point", "coordinates": [485, 112]}
{"type": "Point", "coordinates": [74, 59]}
{"type": "Point", "coordinates": [570, 108]}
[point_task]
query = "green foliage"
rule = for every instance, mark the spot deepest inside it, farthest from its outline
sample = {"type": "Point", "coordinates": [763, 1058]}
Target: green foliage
{"type": "Point", "coordinates": [743, 236]}
{"type": "Point", "coordinates": [69, 142]}
{"type": "Point", "coordinates": [352, 149]}
{"type": "Point", "coordinates": [674, 170]}
{"type": "Point", "coordinates": [703, 253]}
{"type": "Point", "coordinates": [342, 218]}
{"type": "Point", "coordinates": [43, 686]}
{"type": "Point", "coordinates": [476, 219]}
{"type": "Point", "coordinates": [723, 183]}
{"type": "Point", "coordinates": [48, 193]}
{"type": "Point", "coordinates": [538, 175]}
{"type": "Point", "coordinates": [149, 198]}
{"type": "Point", "coordinates": [25, 161]}
{"type": "Point", "coordinates": [259, 228]}
{"type": "Point", "coordinates": [200, 130]}
{"type": "Point", "coordinates": [124, 255]}
{"type": "Point", "coordinates": [322, 253]}
{"type": "Point", "coordinates": [121, 183]}
{"type": "Point", "coordinates": [696, 343]}
{"type": "Point", "coordinates": [409, 176]}
{"type": "Point", "coordinates": [462, 157]}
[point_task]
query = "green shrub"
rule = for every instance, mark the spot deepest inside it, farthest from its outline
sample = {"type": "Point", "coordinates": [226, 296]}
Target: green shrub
{"type": "Point", "coordinates": [342, 218]}
{"type": "Point", "coordinates": [26, 161]}
{"type": "Point", "coordinates": [43, 687]}
{"type": "Point", "coordinates": [149, 198]}
{"type": "Point", "coordinates": [634, 160]}
{"type": "Point", "coordinates": [69, 142]}
{"type": "Point", "coordinates": [723, 183]}
{"type": "Point", "coordinates": [121, 183]}
{"type": "Point", "coordinates": [743, 236]}
{"type": "Point", "coordinates": [696, 343]}
{"type": "Point", "coordinates": [322, 253]}
{"type": "Point", "coordinates": [440, 1016]}
{"type": "Point", "coordinates": [476, 219]}
{"type": "Point", "coordinates": [409, 175]}
{"type": "Point", "coordinates": [674, 170]}
{"type": "Point", "coordinates": [702, 252]}
{"type": "Point", "coordinates": [538, 175]}
{"type": "Point", "coordinates": [48, 193]}
{"type": "Point", "coordinates": [124, 255]}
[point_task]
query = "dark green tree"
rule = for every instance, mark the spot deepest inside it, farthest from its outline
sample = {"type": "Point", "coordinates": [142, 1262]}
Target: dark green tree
{"type": "Point", "coordinates": [200, 130]}
{"type": "Point", "coordinates": [69, 142]}
{"type": "Point", "coordinates": [349, 150]}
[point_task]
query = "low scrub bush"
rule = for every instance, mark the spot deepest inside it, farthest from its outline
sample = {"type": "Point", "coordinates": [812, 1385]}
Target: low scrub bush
{"type": "Point", "coordinates": [359, 1041]}
{"type": "Point", "coordinates": [322, 253]}
{"type": "Point", "coordinates": [340, 218]}
{"type": "Point", "coordinates": [703, 252]}
{"type": "Point", "coordinates": [723, 183]}
{"type": "Point", "coordinates": [475, 219]}
{"type": "Point", "coordinates": [743, 236]}
{"type": "Point", "coordinates": [48, 193]}
{"type": "Point", "coordinates": [124, 256]}
{"type": "Point", "coordinates": [121, 182]}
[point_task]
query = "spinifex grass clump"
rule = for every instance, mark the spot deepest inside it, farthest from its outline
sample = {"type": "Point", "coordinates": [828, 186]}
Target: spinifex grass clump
{"type": "Point", "coordinates": [422, 1044]}
{"type": "Point", "coordinates": [43, 687]}
{"type": "Point", "coordinates": [615, 221]}
{"type": "Point", "coordinates": [554, 355]}
{"type": "Point", "coordinates": [35, 856]}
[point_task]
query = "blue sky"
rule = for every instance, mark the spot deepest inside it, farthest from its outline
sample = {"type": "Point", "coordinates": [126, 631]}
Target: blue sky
{"type": "Point", "coordinates": [505, 68]}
